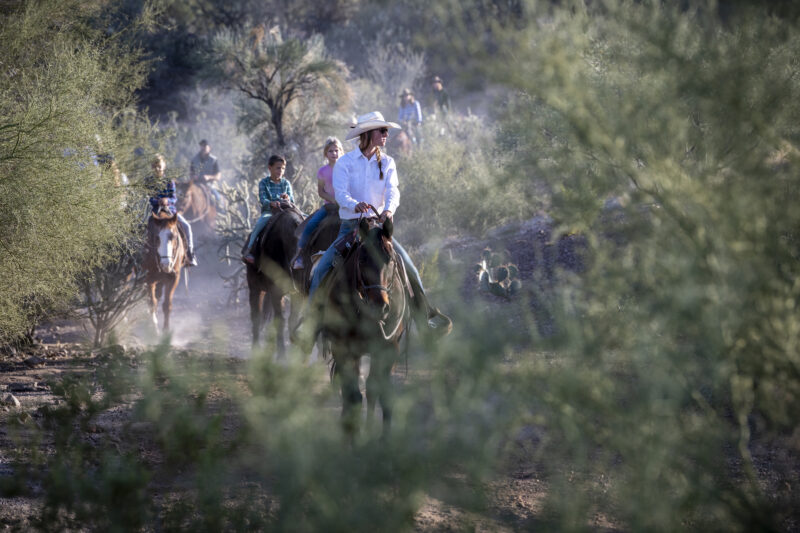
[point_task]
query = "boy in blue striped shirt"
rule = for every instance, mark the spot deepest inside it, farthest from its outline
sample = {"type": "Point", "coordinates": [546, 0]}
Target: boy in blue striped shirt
{"type": "Point", "coordinates": [271, 191]}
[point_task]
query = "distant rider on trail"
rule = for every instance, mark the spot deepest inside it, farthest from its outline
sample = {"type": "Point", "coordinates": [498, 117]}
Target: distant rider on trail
{"type": "Point", "coordinates": [204, 169]}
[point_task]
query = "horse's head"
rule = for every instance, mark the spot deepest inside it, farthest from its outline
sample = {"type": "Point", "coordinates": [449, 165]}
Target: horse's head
{"type": "Point", "coordinates": [376, 264]}
{"type": "Point", "coordinates": [165, 242]}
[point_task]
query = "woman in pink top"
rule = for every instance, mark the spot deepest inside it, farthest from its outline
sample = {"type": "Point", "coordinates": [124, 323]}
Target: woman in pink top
{"type": "Point", "coordinates": [331, 150]}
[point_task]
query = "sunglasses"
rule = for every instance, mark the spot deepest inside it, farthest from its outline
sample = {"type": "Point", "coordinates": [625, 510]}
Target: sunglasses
{"type": "Point", "coordinates": [384, 131]}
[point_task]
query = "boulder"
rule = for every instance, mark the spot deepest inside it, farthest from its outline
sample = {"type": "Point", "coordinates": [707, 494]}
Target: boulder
{"type": "Point", "coordinates": [11, 400]}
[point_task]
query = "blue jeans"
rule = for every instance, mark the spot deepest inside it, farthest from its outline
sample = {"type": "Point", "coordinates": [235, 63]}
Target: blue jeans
{"type": "Point", "coordinates": [326, 261]}
{"type": "Point", "coordinates": [260, 223]}
{"type": "Point", "coordinates": [187, 229]}
{"type": "Point", "coordinates": [220, 199]}
{"type": "Point", "coordinates": [312, 224]}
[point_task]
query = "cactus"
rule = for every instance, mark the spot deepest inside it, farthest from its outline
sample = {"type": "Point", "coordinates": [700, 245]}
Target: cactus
{"type": "Point", "coordinates": [497, 275]}
{"type": "Point", "coordinates": [501, 273]}
{"type": "Point", "coordinates": [513, 271]}
{"type": "Point", "coordinates": [497, 289]}
{"type": "Point", "coordinates": [483, 281]}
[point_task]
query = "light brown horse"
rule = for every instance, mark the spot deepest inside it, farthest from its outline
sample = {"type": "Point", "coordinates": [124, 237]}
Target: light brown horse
{"type": "Point", "coordinates": [165, 251]}
{"type": "Point", "coordinates": [196, 203]}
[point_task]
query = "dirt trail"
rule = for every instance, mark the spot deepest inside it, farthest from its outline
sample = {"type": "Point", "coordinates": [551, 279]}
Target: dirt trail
{"type": "Point", "coordinates": [204, 321]}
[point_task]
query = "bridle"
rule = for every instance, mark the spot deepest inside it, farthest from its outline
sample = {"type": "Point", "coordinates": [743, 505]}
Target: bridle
{"type": "Point", "coordinates": [172, 258]}
{"type": "Point", "coordinates": [362, 288]}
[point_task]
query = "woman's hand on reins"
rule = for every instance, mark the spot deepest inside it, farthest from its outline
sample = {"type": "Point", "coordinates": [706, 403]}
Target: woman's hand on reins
{"type": "Point", "coordinates": [362, 207]}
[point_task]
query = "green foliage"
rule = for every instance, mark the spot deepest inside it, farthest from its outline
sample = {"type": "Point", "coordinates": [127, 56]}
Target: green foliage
{"type": "Point", "coordinates": [66, 93]}
{"type": "Point", "coordinates": [681, 338]}
{"type": "Point", "coordinates": [111, 290]}
{"type": "Point", "coordinates": [450, 186]}
{"type": "Point", "coordinates": [265, 453]}
{"type": "Point", "coordinates": [667, 398]}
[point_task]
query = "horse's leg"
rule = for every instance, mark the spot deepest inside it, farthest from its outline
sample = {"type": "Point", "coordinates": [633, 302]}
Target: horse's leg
{"type": "Point", "coordinates": [256, 300]}
{"type": "Point", "coordinates": [280, 323]}
{"type": "Point", "coordinates": [294, 315]}
{"type": "Point", "coordinates": [373, 389]}
{"type": "Point", "coordinates": [168, 293]}
{"type": "Point", "coordinates": [154, 304]}
{"type": "Point", "coordinates": [379, 384]}
{"type": "Point", "coordinates": [351, 395]}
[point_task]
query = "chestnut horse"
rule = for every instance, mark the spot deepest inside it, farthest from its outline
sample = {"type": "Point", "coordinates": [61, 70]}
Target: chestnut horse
{"type": "Point", "coordinates": [269, 280]}
{"type": "Point", "coordinates": [196, 203]}
{"type": "Point", "coordinates": [366, 311]}
{"type": "Point", "coordinates": [165, 250]}
{"type": "Point", "coordinates": [400, 144]}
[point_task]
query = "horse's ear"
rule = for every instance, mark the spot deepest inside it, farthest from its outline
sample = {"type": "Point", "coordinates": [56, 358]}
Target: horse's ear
{"type": "Point", "coordinates": [363, 228]}
{"type": "Point", "coordinates": [388, 228]}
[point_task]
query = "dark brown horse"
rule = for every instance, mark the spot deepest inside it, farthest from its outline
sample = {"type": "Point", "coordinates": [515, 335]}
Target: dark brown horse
{"type": "Point", "coordinates": [269, 280]}
{"type": "Point", "coordinates": [366, 311]}
{"type": "Point", "coordinates": [164, 254]}
{"type": "Point", "coordinates": [319, 241]}
{"type": "Point", "coordinates": [196, 203]}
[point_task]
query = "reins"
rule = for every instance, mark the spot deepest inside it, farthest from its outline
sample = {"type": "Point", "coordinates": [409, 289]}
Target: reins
{"type": "Point", "coordinates": [398, 271]}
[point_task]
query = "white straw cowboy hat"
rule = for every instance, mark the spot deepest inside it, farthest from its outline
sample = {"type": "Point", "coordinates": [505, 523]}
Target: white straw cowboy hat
{"type": "Point", "coordinates": [370, 121]}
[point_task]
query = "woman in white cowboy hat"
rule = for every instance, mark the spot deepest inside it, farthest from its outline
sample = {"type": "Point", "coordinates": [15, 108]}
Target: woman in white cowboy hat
{"type": "Point", "coordinates": [367, 177]}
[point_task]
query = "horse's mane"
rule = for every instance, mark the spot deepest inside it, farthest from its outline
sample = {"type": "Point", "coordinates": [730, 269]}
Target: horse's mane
{"type": "Point", "coordinates": [348, 267]}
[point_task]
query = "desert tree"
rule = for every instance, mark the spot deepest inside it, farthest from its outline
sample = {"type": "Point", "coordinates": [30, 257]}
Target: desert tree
{"type": "Point", "coordinates": [67, 93]}
{"type": "Point", "coordinates": [279, 76]}
{"type": "Point", "coordinates": [110, 291]}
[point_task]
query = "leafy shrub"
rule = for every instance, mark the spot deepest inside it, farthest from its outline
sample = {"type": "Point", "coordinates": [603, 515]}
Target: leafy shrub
{"type": "Point", "coordinates": [67, 95]}
{"type": "Point", "coordinates": [451, 186]}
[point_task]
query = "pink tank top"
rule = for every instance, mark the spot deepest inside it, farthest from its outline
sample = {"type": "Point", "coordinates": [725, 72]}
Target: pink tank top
{"type": "Point", "coordinates": [326, 175]}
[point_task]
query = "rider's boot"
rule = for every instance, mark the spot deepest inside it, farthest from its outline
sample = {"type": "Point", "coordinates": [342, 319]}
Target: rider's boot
{"type": "Point", "coordinates": [427, 317]}
{"type": "Point", "coordinates": [191, 259]}
{"type": "Point", "coordinates": [247, 254]}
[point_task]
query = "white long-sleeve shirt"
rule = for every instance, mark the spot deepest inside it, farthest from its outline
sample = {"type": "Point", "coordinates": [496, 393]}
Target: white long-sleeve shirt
{"type": "Point", "coordinates": [357, 179]}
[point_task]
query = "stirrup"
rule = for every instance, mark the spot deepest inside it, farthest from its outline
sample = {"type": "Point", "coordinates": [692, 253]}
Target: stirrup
{"type": "Point", "coordinates": [439, 322]}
